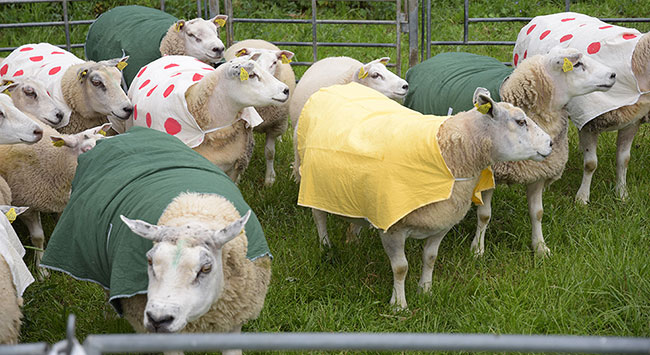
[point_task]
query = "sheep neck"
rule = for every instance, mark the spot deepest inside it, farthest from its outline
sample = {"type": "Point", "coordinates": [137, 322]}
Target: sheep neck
{"type": "Point", "coordinates": [210, 103]}
{"type": "Point", "coordinates": [641, 62]}
{"type": "Point", "coordinates": [464, 145]}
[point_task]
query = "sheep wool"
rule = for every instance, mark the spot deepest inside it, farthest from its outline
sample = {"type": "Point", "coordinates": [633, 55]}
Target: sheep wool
{"type": "Point", "coordinates": [158, 93]}
{"type": "Point", "coordinates": [349, 152]}
{"type": "Point", "coordinates": [606, 43]}
{"type": "Point", "coordinates": [42, 62]}
{"type": "Point", "coordinates": [12, 250]}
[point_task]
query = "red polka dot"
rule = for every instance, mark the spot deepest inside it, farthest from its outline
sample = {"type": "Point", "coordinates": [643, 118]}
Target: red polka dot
{"type": "Point", "coordinates": [57, 52]}
{"type": "Point", "coordinates": [141, 71]}
{"type": "Point", "coordinates": [525, 54]}
{"type": "Point", "coordinates": [4, 69]}
{"type": "Point", "coordinates": [568, 19]}
{"type": "Point", "coordinates": [148, 119]}
{"type": "Point", "coordinates": [146, 82]}
{"type": "Point", "coordinates": [544, 34]}
{"type": "Point", "coordinates": [170, 66]}
{"type": "Point", "coordinates": [25, 49]}
{"type": "Point", "coordinates": [530, 29]}
{"type": "Point", "coordinates": [19, 73]}
{"type": "Point", "coordinates": [177, 74]}
{"type": "Point", "coordinates": [172, 126]}
{"type": "Point", "coordinates": [605, 27]}
{"type": "Point", "coordinates": [628, 36]}
{"type": "Point", "coordinates": [135, 112]}
{"type": "Point", "coordinates": [48, 94]}
{"type": "Point", "coordinates": [593, 48]}
{"type": "Point", "coordinates": [565, 38]}
{"type": "Point", "coordinates": [168, 91]}
{"type": "Point", "coordinates": [37, 58]}
{"type": "Point", "coordinates": [150, 91]}
{"type": "Point", "coordinates": [54, 70]}
{"type": "Point", "coordinates": [197, 77]}
{"type": "Point", "coordinates": [208, 68]}
{"type": "Point", "coordinates": [516, 59]}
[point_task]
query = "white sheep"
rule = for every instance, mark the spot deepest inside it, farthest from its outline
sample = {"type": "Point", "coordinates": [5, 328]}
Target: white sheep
{"type": "Point", "coordinates": [15, 126]}
{"type": "Point", "coordinates": [541, 86]}
{"type": "Point", "coordinates": [622, 108]}
{"type": "Point", "coordinates": [354, 164]}
{"type": "Point", "coordinates": [14, 276]}
{"type": "Point", "coordinates": [342, 70]}
{"type": "Point", "coordinates": [158, 34]}
{"type": "Point", "coordinates": [87, 92]}
{"type": "Point", "coordinates": [204, 107]}
{"type": "Point", "coordinates": [39, 175]}
{"type": "Point", "coordinates": [276, 118]}
{"type": "Point", "coordinates": [31, 97]}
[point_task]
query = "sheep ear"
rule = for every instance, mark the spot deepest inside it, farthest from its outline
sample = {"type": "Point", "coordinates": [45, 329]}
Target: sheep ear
{"type": "Point", "coordinates": [285, 56]}
{"type": "Point", "coordinates": [8, 87]}
{"type": "Point", "coordinates": [144, 229]}
{"type": "Point", "coordinates": [179, 25]}
{"type": "Point", "coordinates": [483, 102]}
{"type": "Point", "coordinates": [231, 231]}
{"type": "Point", "coordinates": [384, 60]}
{"type": "Point", "coordinates": [219, 20]}
{"type": "Point", "coordinates": [101, 129]}
{"type": "Point", "coordinates": [70, 141]}
{"type": "Point", "coordinates": [242, 52]}
{"type": "Point", "coordinates": [17, 210]}
{"type": "Point", "coordinates": [255, 57]}
{"type": "Point", "coordinates": [82, 74]}
{"type": "Point", "coordinates": [120, 63]}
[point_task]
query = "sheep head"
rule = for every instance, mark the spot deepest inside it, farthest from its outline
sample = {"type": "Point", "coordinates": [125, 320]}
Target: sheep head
{"type": "Point", "coordinates": [101, 86]}
{"type": "Point", "coordinates": [201, 38]}
{"type": "Point", "coordinates": [15, 126]}
{"type": "Point", "coordinates": [249, 84]}
{"type": "Point", "coordinates": [375, 75]}
{"type": "Point", "coordinates": [83, 141]}
{"type": "Point", "coordinates": [31, 97]}
{"type": "Point", "coordinates": [268, 58]}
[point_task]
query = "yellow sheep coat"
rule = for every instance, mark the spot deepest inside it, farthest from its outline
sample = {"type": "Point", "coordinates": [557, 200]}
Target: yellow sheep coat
{"type": "Point", "coordinates": [365, 156]}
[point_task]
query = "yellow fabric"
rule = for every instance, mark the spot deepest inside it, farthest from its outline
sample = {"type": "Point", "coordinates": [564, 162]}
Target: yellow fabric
{"type": "Point", "coordinates": [365, 156]}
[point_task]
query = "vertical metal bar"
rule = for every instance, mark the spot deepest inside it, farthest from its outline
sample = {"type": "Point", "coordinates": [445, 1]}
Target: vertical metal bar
{"type": "Point", "coordinates": [314, 41]}
{"type": "Point", "coordinates": [398, 36]}
{"type": "Point", "coordinates": [162, 5]}
{"type": "Point", "coordinates": [198, 8]}
{"type": "Point", "coordinates": [567, 5]}
{"type": "Point", "coordinates": [466, 22]}
{"type": "Point", "coordinates": [428, 29]}
{"type": "Point", "coordinates": [214, 8]}
{"type": "Point", "coordinates": [66, 23]}
{"type": "Point", "coordinates": [413, 32]}
{"type": "Point", "coordinates": [229, 25]}
{"type": "Point", "coordinates": [423, 12]}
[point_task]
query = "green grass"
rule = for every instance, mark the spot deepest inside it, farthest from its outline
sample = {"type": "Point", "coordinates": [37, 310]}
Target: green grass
{"type": "Point", "coordinates": [597, 281]}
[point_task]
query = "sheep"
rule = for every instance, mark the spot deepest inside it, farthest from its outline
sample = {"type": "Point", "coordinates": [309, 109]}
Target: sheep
{"type": "Point", "coordinates": [276, 121]}
{"type": "Point", "coordinates": [158, 34]}
{"type": "Point", "coordinates": [31, 97]}
{"type": "Point", "coordinates": [622, 108]}
{"type": "Point", "coordinates": [204, 107]}
{"type": "Point", "coordinates": [190, 212]}
{"type": "Point", "coordinates": [39, 175]}
{"type": "Point", "coordinates": [87, 92]}
{"type": "Point", "coordinates": [356, 166]}
{"type": "Point", "coordinates": [14, 276]}
{"type": "Point", "coordinates": [15, 126]}
{"type": "Point", "coordinates": [342, 70]}
{"type": "Point", "coordinates": [541, 86]}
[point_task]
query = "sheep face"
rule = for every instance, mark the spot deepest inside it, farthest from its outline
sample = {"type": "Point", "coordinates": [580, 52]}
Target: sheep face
{"type": "Point", "coordinates": [101, 88]}
{"type": "Point", "coordinates": [514, 136]}
{"type": "Point", "coordinates": [83, 141]}
{"type": "Point", "coordinates": [268, 59]}
{"type": "Point", "coordinates": [575, 74]}
{"type": "Point", "coordinates": [15, 126]}
{"type": "Point", "coordinates": [249, 84]}
{"type": "Point", "coordinates": [201, 38]}
{"type": "Point", "coordinates": [375, 75]}
{"type": "Point", "coordinates": [185, 271]}
{"type": "Point", "coordinates": [32, 98]}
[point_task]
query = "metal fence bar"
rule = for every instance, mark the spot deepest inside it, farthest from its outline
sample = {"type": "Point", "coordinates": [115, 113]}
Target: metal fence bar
{"type": "Point", "coordinates": [314, 32]}
{"type": "Point", "coordinates": [45, 24]}
{"type": "Point", "coordinates": [24, 349]}
{"type": "Point", "coordinates": [319, 22]}
{"type": "Point", "coordinates": [97, 344]}
{"type": "Point", "coordinates": [66, 25]}
{"type": "Point", "coordinates": [398, 35]}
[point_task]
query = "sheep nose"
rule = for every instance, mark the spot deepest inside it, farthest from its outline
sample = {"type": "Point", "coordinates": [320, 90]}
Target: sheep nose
{"type": "Point", "coordinates": [613, 76]}
{"type": "Point", "coordinates": [59, 115]}
{"type": "Point", "coordinates": [218, 49]}
{"type": "Point", "coordinates": [551, 144]}
{"type": "Point", "coordinates": [160, 323]}
{"type": "Point", "coordinates": [38, 133]}
{"type": "Point", "coordinates": [128, 109]}
{"type": "Point", "coordinates": [286, 91]}
{"type": "Point", "coordinates": [405, 86]}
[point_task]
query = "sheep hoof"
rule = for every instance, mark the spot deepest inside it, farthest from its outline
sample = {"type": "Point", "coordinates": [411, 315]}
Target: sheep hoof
{"type": "Point", "coordinates": [424, 287]}
{"type": "Point", "coordinates": [269, 180]}
{"type": "Point", "coordinates": [542, 251]}
{"type": "Point", "coordinates": [581, 199]}
{"type": "Point", "coordinates": [477, 251]}
{"type": "Point", "coordinates": [622, 193]}
{"type": "Point", "coordinates": [42, 273]}
{"type": "Point", "coordinates": [398, 306]}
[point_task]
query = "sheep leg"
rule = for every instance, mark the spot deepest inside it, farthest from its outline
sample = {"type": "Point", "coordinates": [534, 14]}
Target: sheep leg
{"type": "Point", "coordinates": [588, 144]}
{"type": "Point", "coordinates": [236, 329]}
{"type": "Point", "coordinates": [536, 212]}
{"type": "Point", "coordinates": [483, 214]}
{"type": "Point", "coordinates": [623, 146]}
{"type": "Point", "coordinates": [296, 157]}
{"type": "Point", "coordinates": [32, 220]}
{"type": "Point", "coordinates": [353, 232]}
{"type": "Point", "coordinates": [320, 218]}
{"type": "Point", "coordinates": [429, 255]}
{"type": "Point", "coordinates": [269, 153]}
{"type": "Point", "coordinates": [393, 243]}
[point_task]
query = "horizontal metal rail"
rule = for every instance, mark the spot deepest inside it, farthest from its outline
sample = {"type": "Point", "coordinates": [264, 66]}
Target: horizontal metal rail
{"type": "Point", "coordinates": [319, 22]}
{"type": "Point", "coordinates": [76, 45]}
{"type": "Point", "coordinates": [97, 344]}
{"type": "Point", "coordinates": [24, 349]}
{"type": "Point", "coordinates": [45, 24]}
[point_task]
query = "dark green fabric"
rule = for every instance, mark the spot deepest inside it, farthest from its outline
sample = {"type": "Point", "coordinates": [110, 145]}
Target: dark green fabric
{"type": "Point", "coordinates": [135, 29]}
{"type": "Point", "coordinates": [136, 174]}
{"type": "Point", "coordinates": [449, 80]}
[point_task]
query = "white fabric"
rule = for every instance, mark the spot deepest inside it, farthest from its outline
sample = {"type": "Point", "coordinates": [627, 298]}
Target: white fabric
{"type": "Point", "coordinates": [12, 251]}
{"type": "Point", "coordinates": [608, 44]}
{"type": "Point", "coordinates": [158, 96]}
{"type": "Point", "coordinates": [42, 62]}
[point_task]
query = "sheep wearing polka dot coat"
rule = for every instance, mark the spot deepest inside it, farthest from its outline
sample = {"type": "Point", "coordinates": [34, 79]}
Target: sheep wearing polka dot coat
{"type": "Point", "coordinates": [87, 92]}
{"type": "Point", "coordinates": [620, 109]}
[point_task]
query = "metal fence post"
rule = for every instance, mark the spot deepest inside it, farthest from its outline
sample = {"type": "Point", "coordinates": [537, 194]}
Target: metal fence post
{"type": "Point", "coordinates": [398, 35]}
{"type": "Point", "coordinates": [413, 32]}
{"type": "Point", "coordinates": [214, 8]}
{"type": "Point", "coordinates": [314, 39]}
{"type": "Point", "coordinates": [229, 24]}
{"type": "Point", "coordinates": [66, 25]}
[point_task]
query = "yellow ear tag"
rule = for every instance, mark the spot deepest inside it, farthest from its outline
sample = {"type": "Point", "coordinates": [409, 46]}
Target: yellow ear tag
{"type": "Point", "coordinates": [567, 66]}
{"type": "Point", "coordinates": [483, 108]}
{"type": "Point", "coordinates": [11, 215]}
{"type": "Point", "coordinates": [59, 143]}
{"type": "Point", "coordinates": [362, 73]}
{"type": "Point", "coordinates": [83, 74]}
{"type": "Point", "coordinates": [178, 26]}
{"type": "Point", "coordinates": [101, 131]}
{"type": "Point", "coordinates": [241, 52]}
{"type": "Point", "coordinates": [220, 22]}
{"type": "Point", "coordinates": [285, 60]}
{"type": "Point", "coordinates": [7, 92]}
{"type": "Point", "coordinates": [243, 74]}
{"type": "Point", "coordinates": [121, 65]}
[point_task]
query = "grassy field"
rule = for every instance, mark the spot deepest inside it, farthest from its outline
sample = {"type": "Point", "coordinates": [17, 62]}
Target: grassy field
{"type": "Point", "coordinates": [597, 281]}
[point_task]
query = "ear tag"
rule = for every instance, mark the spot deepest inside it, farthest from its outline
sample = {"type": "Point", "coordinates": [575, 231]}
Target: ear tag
{"type": "Point", "coordinates": [243, 74]}
{"type": "Point", "coordinates": [6, 92]}
{"type": "Point", "coordinates": [101, 131]}
{"type": "Point", "coordinates": [178, 26]}
{"type": "Point", "coordinates": [11, 215]}
{"type": "Point", "coordinates": [285, 60]}
{"type": "Point", "coordinates": [220, 22]}
{"type": "Point", "coordinates": [363, 73]}
{"type": "Point", "coordinates": [567, 66]}
{"type": "Point", "coordinates": [59, 143]}
{"type": "Point", "coordinates": [83, 74]}
{"type": "Point", "coordinates": [483, 108]}
{"type": "Point", "coordinates": [241, 52]}
{"type": "Point", "coordinates": [121, 65]}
